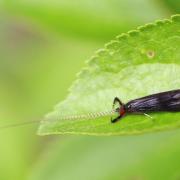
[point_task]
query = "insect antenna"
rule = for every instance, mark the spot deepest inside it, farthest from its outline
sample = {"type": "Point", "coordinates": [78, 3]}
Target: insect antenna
{"type": "Point", "coordinates": [18, 124]}
{"type": "Point", "coordinates": [59, 118]}
{"type": "Point", "coordinates": [93, 115]}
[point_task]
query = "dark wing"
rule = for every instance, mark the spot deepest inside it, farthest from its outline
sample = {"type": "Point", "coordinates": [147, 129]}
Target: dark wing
{"type": "Point", "coordinates": [164, 101]}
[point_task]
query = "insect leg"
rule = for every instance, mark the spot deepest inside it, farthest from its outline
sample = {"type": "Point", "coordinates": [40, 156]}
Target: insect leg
{"type": "Point", "coordinates": [116, 99]}
{"type": "Point", "coordinates": [141, 113]}
{"type": "Point", "coordinates": [148, 115]}
{"type": "Point", "coordinates": [115, 119]}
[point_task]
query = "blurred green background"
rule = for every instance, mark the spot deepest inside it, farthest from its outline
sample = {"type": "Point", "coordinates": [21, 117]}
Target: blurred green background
{"type": "Point", "coordinates": [43, 44]}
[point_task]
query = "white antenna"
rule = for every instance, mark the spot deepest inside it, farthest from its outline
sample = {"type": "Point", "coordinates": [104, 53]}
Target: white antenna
{"type": "Point", "coordinates": [58, 118]}
{"type": "Point", "coordinates": [94, 115]}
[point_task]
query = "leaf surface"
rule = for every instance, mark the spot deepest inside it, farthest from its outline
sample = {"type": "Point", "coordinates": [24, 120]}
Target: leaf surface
{"type": "Point", "coordinates": [135, 64]}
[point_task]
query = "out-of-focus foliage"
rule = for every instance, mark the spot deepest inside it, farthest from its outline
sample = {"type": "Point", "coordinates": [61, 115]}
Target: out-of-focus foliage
{"type": "Point", "coordinates": [151, 156]}
{"type": "Point", "coordinates": [36, 70]}
{"type": "Point", "coordinates": [100, 19]}
{"type": "Point", "coordinates": [43, 44]}
{"type": "Point", "coordinates": [174, 5]}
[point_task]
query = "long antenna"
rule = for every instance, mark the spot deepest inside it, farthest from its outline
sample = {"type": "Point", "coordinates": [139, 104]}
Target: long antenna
{"type": "Point", "coordinates": [60, 117]}
{"type": "Point", "coordinates": [56, 116]}
{"type": "Point", "coordinates": [18, 124]}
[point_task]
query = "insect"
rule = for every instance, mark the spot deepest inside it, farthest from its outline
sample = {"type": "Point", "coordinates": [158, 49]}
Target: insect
{"type": "Point", "coordinates": [87, 116]}
{"type": "Point", "coordinates": [168, 101]}
{"type": "Point", "coordinates": [164, 101]}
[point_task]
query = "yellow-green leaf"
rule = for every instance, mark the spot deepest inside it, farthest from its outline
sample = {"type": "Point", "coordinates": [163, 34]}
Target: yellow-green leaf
{"type": "Point", "coordinates": [141, 62]}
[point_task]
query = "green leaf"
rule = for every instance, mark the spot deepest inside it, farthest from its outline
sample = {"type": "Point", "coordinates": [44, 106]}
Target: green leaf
{"type": "Point", "coordinates": [144, 157]}
{"type": "Point", "coordinates": [139, 63]}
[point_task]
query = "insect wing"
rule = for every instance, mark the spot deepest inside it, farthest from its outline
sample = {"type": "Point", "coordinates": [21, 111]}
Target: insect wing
{"type": "Point", "coordinates": [165, 101]}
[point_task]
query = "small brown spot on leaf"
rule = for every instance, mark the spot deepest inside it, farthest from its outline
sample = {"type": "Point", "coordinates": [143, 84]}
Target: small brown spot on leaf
{"type": "Point", "coordinates": [150, 54]}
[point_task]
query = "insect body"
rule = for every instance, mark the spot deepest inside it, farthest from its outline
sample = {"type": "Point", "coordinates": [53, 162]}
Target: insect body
{"type": "Point", "coordinates": [165, 101]}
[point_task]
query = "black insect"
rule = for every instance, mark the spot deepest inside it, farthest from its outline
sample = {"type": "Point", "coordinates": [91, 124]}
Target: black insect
{"type": "Point", "coordinates": [165, 101]}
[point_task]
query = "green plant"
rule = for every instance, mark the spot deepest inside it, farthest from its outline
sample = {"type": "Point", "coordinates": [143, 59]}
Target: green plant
{"type": "Point", "coordinates": [140, 62]}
